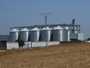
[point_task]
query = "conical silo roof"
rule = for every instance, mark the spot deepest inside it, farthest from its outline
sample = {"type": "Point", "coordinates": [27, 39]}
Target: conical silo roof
{"type": "Point", "coordinates": [14, 30]}
{"type": "Point", "coordinates": [34, 29]}
{"type": "Point", "coordinates": [58, 27]}
{"type": "Point", "coordinates": [25, 29]}
{"type": "Point", "coordinates": [46, 28]}
{"type": "Point", "coordinates": [67, 28]}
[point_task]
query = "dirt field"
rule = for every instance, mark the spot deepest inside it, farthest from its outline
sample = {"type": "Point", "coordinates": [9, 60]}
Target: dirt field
{"type": "Point", "coordinates": [67, 55]}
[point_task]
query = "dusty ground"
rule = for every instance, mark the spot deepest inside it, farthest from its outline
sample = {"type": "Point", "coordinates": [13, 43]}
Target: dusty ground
{"type": "Point", "coordinates": [68, 55]}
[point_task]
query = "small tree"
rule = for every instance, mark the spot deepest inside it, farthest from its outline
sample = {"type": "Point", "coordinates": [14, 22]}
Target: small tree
{"type": "Point", "coordinates": [20, 42]}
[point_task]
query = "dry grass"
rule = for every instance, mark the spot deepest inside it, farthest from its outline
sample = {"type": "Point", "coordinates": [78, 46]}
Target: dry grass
{"type": "Point", "coordinates": [68, 55]}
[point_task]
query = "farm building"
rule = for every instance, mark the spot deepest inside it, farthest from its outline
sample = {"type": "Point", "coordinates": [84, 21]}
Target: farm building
{"type": "Point", "coordinates": [41, 33]}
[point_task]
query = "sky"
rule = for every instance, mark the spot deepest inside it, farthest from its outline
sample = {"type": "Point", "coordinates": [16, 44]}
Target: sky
{"type": "Point", "coordinates": [31, 12]}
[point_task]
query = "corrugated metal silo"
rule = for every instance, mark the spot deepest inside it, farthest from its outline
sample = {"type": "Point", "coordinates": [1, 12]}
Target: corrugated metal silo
{"type": "Point", "coordinates": [13, 36]}
{"type": "Point", "coordinates": [34, 34]}
{"type": "Point", "coordinates": [57, 34]}
{"type": "Point", "coordinates": [81, 36]}
{"type": "Point", "coordinates": [24, 34]}
{"type": "Point", "coordinates": [67, 33]}
{"type": "Point", "coordinates": [45, 34]}
{"type": "Point", "coordinates": [74, 35]}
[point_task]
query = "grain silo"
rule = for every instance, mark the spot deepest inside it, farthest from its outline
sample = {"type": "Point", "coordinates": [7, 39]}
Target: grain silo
{"type": "Point", "coordinates": [81, 36]}
{"type": "Point", "coordinates": [67, 33]}
{"type": "Point", "coordinates": [23, 35]}
{"type": "Point", "coordinates": [13, 36]}
{"type": "Point", "coordinates": [74, 35]}
{"type": "Point", "coordinates": [57, 34]}
{"type": "Point", "coordinates": [45, 34]}
{"type": "Point", "coordinates": [34, 34]}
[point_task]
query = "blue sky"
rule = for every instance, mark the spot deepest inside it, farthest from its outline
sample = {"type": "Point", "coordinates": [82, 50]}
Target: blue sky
{"type": "Point", "coordinates": [28, 12]}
